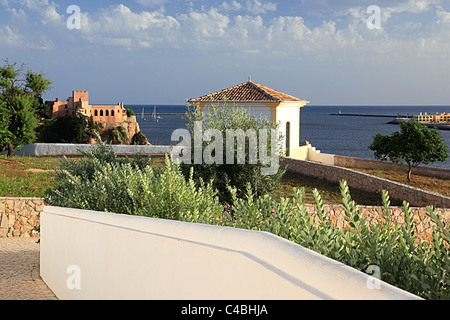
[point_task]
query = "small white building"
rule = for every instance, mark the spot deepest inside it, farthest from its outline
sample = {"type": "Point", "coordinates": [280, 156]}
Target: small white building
{"type": "Point", "coordinates": [277, 106]}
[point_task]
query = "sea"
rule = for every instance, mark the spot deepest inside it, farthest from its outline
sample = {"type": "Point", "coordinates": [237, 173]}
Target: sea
{"type": "Point", "coordinates": [330, 133]}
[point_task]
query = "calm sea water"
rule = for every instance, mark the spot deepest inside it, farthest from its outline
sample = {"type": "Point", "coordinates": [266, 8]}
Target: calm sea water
{"type": "Point", "coordinates": [341, 135]}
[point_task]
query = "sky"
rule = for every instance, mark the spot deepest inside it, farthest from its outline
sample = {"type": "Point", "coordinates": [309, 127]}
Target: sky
{"type": "Point", "coordinates": [328, 52]}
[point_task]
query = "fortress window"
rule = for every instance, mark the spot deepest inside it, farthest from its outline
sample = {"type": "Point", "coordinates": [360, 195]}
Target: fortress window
{"type": "Point", "coordinates": [112, 113]}
{"type": "Point", "coordinates": [96, 113]}
{"type": "Point", "coordinates": [107, 113]}
{"type": "Point", "coordinates": [101, 113]}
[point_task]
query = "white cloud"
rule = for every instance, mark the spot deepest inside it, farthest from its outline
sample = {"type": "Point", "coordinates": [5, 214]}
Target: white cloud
{"type": "Point", "coordinates": [45, 10]}
{"type": "Point", "coordinates": [18, 14]}
{"type": "Point", "coordinates": [248, 33]}
{"type": "Point", "coordinates": [412, 6]}
{"type": "Point", "coordinates": [260, 7]}
{"type": "Point", "coordinates": [344, 32]}
{"type": "Point", "coordinates": [120, 26]}
{"type": "Point", "coordinates": [443, 17]}
{"type": "Point", "coordinates": [232, 6]}
{"type": "Point", "coordinates": [205, 25]}
{"type": "Point", "coordinates": [12, 38]}
{"type": "Point", "coordinates": [151, 3]}
{"type": "Point", "coordinates": [9, 38]}
{"type": "Point", "coordinates": [255, 7]}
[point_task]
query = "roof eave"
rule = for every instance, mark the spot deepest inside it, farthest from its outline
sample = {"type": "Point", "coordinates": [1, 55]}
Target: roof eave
{"type": "Point", "coordinates": [251, 101]}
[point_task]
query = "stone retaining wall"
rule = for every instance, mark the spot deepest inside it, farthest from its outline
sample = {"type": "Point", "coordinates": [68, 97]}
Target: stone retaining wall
{"type": "Point", "coordinates": [19, 216]}
{"type": "Point", "coordinates": [373, 214]}
{"type": "Point", "coordinates": [359, 180]}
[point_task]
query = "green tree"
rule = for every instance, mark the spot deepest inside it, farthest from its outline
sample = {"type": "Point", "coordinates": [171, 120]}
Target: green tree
{"type": "Point", "coordinates": [36, 85]}
{"type": "Point", "coordinates": [414, 144]}
{"type": "Point", "coordinates": [223, 119]}
{"type": "Point", "coordinates": [69, 129]}
{"type": "Point", "coordinates": [20, 104]}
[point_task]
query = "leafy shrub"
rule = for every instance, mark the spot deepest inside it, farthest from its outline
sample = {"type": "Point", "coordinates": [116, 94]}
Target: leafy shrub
{"type": "Point", "coordinates": [422, 269]}
{"type": "Point", "coordinates": [103, 182]}
{"type": "Point", "coordinates": [130, 112]}
{"type": "Point", "coordinates": [222, 175]}
{"type": "Point", "coordinates": [139, 139]}
{"type": "Point", "coordinates": [119, 135]}
{"type": "Point", "coordinates": [70, 129]}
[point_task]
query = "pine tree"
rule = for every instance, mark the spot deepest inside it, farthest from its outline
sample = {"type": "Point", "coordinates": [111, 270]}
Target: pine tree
{"type": "Point", "coordinates": [20, 106]}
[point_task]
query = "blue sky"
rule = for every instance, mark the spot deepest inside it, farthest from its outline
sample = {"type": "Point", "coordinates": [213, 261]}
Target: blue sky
{"type": "Point", "coordinates": [163, 52]}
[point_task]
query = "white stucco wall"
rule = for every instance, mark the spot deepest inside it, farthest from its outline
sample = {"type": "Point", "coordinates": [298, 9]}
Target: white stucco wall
{"type": "Point", "coordinates": [285, 112]}
{"type": "Point", "coordinates": [55, 149]}
{"type": "Point", "coordinates": [290, 113]}
{"type": "Point", "coordinates": [93, 255]}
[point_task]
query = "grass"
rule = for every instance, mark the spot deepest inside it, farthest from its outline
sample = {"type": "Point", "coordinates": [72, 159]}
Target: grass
{"type": "Point", "coordinates": [26, 176]}
{"type": "Point", "coordinates": [31, 176]}
{"type": "Point", "coordinates": [329, 191]}
{"type": "Point", "coordinates": [431, 184]}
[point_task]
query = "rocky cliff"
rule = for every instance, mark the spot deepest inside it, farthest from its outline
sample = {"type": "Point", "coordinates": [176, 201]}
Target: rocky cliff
{"type": "Point", "coordinates": [126, 132]}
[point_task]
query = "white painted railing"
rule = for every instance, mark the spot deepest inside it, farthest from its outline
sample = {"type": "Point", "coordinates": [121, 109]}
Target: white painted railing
{"type": "Point", "coordinates": [93, 255]}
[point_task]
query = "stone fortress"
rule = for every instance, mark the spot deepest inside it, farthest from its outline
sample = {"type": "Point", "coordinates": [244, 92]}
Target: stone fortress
{"type": "Point", "coordinates": [107, 117]}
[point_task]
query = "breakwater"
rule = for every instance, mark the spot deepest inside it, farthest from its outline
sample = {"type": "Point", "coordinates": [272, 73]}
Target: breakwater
{"type": "Point", "coordinates": [370, 115]}
{"type": "Point", "coordinates": [429, 125]}
{"type": "Point", "coordinates": [397, 119]}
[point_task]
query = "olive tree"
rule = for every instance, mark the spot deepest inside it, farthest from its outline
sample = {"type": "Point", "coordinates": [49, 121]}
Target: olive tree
{"type": "Point", "coordinates": [238, 149]}
{"type": "Point", "coordinates": [415, 144]}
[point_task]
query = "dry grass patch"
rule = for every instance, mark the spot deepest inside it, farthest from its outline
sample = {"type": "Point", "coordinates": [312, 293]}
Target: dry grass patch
{"type": "Point", "coordinates": [431, 184]}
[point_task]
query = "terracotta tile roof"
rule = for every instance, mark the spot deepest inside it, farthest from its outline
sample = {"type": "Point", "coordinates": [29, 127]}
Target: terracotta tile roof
{"type": "Point", "coordinates": [248, 91]}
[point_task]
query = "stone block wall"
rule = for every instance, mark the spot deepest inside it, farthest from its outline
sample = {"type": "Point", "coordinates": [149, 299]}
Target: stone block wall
{"type": "Point", "coordinates": [359, 180]}
{"type": "Point", "coordinates": [373, 214]}
{"type": "Point", "coordinates": [19, 216]}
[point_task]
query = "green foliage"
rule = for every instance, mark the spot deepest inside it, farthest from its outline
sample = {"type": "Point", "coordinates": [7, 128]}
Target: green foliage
{"type": "Point", "coordinates": [414, 144]}
{"type": "Point", "coordinates": [118, 135]}
{"type": "Point", "coordinates": [101, 181]}
{"type": "Point", "coordinates": [5, 122]}
{"type": "Point", "coordinates": [70, 129]}
{"type": "Point", "coordinates": [223, 118]}
{"type": "Point", "coordinates": [421, 269]}
{"type": "Point", "coordinates": [36, 83]}
{"type": "Point", "coordinates": [139, 139]}
{"type": "Point", "coordinates": [130, 112]}
{"type": "Point", "coordinates": [18, 124]}
{"type": "Point", "coordinates": [20, 106]}
{"type": "Point", "coordinates": [104, 182]}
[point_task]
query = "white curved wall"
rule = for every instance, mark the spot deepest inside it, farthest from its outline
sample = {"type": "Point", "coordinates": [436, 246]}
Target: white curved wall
{"type": "Point", "coordinates": [92, 255]}
{"type": "Point", "coordinates": [55, 149]}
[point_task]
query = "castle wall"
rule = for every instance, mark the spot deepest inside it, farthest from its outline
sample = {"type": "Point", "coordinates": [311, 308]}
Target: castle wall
{"type": "Point", "coordinates": [80, 101]}
{"type": "Point", "coordinates": [107, 113]}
